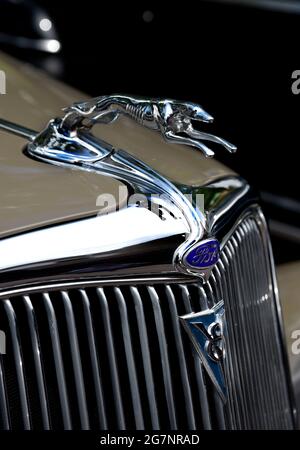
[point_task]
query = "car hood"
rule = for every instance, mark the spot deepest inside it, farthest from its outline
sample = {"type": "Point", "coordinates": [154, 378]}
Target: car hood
{"type": "Point", "coordinates": [35, 194]}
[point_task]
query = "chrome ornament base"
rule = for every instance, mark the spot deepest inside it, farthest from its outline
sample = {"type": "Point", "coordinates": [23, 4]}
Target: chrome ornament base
{"type": "Point", "coordinates": [68, 142]}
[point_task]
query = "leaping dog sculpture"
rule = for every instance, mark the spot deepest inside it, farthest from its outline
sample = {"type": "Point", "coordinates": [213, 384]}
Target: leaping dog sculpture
{"type": "Point", "coordinates": [172, 118]}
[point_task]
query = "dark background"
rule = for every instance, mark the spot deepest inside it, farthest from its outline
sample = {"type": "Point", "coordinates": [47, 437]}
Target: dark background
{"type": "Point", "coordinates": [235, 60]}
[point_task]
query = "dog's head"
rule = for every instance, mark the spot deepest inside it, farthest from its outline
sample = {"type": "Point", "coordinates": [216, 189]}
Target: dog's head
{"type": "Point", "coordinates": [179, 115]}
{"type": "Point", "coordinates": [190, 110]}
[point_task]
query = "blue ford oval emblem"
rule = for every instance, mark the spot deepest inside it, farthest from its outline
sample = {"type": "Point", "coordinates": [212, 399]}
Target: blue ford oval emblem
{"type": "Point", "coordinates": [203, 255]}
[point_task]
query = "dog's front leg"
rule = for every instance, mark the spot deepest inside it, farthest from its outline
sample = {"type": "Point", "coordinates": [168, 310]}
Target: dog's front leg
{"type": "Point", "coordinates": [195, 134]}
{"type": "Point", "coordinates": [170, 136]}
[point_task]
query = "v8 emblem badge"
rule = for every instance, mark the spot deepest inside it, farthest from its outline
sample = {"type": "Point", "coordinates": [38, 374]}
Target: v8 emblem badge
{"type": "Point", "coordinates": [206, 330]}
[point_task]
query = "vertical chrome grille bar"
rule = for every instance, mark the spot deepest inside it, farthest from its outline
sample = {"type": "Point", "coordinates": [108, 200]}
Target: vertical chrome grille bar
{"type": "Point", "coordinates": [36, 350]}
{"type": "Point", "coordinates": [18, 359]}
{"type": "Point", "coordinates": [255, 376]}
{"type": "Point", "coordinates": [219, 411]}
{"type": "Point", "coordinates": [202, 298]}
{"type": "Point", "coordinates": [257, 341]}
{"type": "Point", "coordinates": [274, 399]}
{"type": "Point", "coordinates": [202, 392]}
{"type": "Point", "coordinates": [4, 414]}
{"type": "Point", "coordinates": [58, 362]}
{"type": "Point", "coordinates": [271, 339]}
{"type": "Point", "coordinates": [143, 335]}
{"type": "Point", "coordinates": [112, 359]}
{"type": "Point", "coordinates": [242, 333]}
{"type": "Point", "coordinates": [273, 342]}
{"type": "Point", "coordinates": [181, 357]}
{"type": "Point", "coordinates": [231, 418]}
{"type": "Point", "coordinates": [94, 360]}
{"type": "Point", "coordinates": [164, 355]}
{"type": "Point", "coordinates": [262, 369]}
{"type": "Point", "coordinates": [239, 326]}
{"type": "Point", "coordinates": [260, 292]}
{"type": "Point", "coordinates": [231, 385]}
{"type": "Point", "coordinates": [241, 359]}
{"type": "Point", "coordinates": [134, 386]}
{"type": "Point", "coordinates": [219, 406]}
{"type": "Point", "coordinates": [76, 361]}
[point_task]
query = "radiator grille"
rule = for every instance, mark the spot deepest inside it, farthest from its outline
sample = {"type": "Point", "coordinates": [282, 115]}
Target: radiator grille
{"type": "Point", "coordinates": [117, 357]}
{"type": "Point", "coordinates": [255, 367]}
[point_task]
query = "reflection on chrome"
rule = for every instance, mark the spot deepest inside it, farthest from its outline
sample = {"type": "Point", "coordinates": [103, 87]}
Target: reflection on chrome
{"type": "Point", "coordinates": [172, 118]}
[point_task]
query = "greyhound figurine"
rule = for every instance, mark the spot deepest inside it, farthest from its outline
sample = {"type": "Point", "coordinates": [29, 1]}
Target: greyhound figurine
{"type": "Point", "coordinates": [172, 118]}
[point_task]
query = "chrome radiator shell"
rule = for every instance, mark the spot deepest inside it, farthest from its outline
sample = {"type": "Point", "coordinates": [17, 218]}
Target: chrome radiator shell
{"type": "Point", "coordinates": [154, 376]}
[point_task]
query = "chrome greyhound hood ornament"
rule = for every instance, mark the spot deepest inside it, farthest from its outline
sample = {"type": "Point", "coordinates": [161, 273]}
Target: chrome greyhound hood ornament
{"type": "Point", "coordinates": [68, 141]}
{"type": "Point", "coordinates": [172, 118]}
